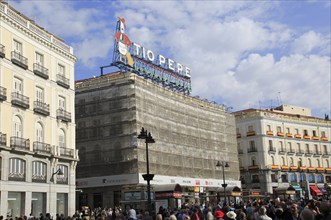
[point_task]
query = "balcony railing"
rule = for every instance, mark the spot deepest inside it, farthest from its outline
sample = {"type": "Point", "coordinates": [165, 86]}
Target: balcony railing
{"type": "Point", "coordinates": [250, 133]}
{"type": "Point", "coordinates": [62, 81]}
{"type": "Point", "coordinates": [40, 147]}
{"type": "Point", "coordinates": [291, 152]}
{"type": "Point", "coordinates": [317, 154]}
{"type": "Point", "coordinates": [2, 51]}
{"type": "Point", "coordinates": [3, 139]}
{"type": "Point", "coordinates": [20, 100]}
{"type": "Point", "coordinates": [252, 149]}
{"type": "Point", "coordinates": [326, 154]}
{"type": "Point", "coordinates": [41, 71]}
{"type": "Point", "coordinates": [282, 151]}
{"type": "Point", "coordinates": [21, 143]}
{"type": "Point", "coordinates": [67, 152]}
{"type": "Point", "coordinates": [308, 153]}
{"type": "Point", "coordinates": [3, 93]}
{"type": "Point", "coordinates": [19, 60]}
{"type": "Point", "coordinates": [272, 150]}
{"type": "Point", "coordinates": [300, 153]}
{"type": "Point", "coordinates": [16, 176]}
{"type": "Point", "coordinates": [41, 107]}
{"type": "Point", "coordinates": [61, 180]}
{"type": "Point", "coordinates": [38, 178]}
{"type": "Point", "coordinates": [63, 115]}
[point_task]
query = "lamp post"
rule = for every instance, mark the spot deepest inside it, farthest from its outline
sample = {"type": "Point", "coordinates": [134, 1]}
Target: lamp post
{"type": "Point", "coordinates": [58, 172]}
{"type": "Point", "coordinates": [147, 177]}
{"type": "Point", "coordinates": [224, 185]}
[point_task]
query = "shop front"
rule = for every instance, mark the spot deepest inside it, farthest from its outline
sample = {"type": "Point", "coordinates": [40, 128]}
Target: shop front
{"type": "Point", "coordinates": [168, 196]}
{"type": "Point", "coordinates": [285, 192]}
{"type": "Point", "coordinates": [233, 194]}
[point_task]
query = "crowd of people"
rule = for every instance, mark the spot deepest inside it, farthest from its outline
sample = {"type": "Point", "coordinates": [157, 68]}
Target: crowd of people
{"type": "Point", "coordinates": [251, 210]}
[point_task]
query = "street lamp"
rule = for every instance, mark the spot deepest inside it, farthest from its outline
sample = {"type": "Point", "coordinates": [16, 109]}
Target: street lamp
{"type": "Point", "coordinates": [58, 172]}
{"type": "Point", "coordinates": [224, 185]}
{"type": "Point", "coordinates": [147, 177]}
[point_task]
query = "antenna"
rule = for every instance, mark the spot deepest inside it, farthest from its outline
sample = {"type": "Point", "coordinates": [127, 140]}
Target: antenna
{"type": "Point", "coordinates": [280, 99]}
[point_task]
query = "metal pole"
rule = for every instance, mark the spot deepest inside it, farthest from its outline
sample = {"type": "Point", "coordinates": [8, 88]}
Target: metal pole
{"type": "Point", "coordinates": [224, 185]}
{"type": "Point", "coordinates": [148, 180]}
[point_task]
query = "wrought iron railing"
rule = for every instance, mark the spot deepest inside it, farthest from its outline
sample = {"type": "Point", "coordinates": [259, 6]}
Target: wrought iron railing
{"type": "Point", "coordinates": [63, 115]}
{"type": "Point", "coordinates": [19, 59]}
{"type": "Point", "coordinates": [62, 81]}
{"type": "Point", "coordinates": [41, 107]}
{"type": "Point", "coordinates": [21, 143]}
{"type": "Point", "coordinates": [41, 147]}
{"type": "Point", "coordinates": [40, 70]}
{"type": "Point", "coordinates": [20, 100]}
{"type": "Point", "coordinates": [3, 93]}
{"type": "Point", "coordinates": [67, 152]}
{"type": "Point", "coordinates": [3, 139]}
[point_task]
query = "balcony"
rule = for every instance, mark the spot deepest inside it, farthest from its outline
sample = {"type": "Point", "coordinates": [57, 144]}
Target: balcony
{"type": "Point", "coordinates": [40, 147]}
{"type": "Point", "coordinates": [311, 169]}
{"type": "Point", "coordinates": [253, 167]}
{"type": "Point", "coordinates": [2, 51]}
{"type": "Point", "coordinates": [300, 153]}
{"type": "Point", "coordinates": [67, 152]}
{"type": "Point", "coordinates": [250, 133]}
{"type": "Point", "coordinates": [291, 152]}
{"type": "Point", "coordinates": [20, 100]}
{"type": "Point", "coordinates": [272, 150]}
{"type": "Point", "coordinates": [324, 138]}
{"type": "Point", "coordinates": [63, 115]}
{"type": "Point", "coordinates": [316, 138]}
{"type": "Point", "coordinates": [308, 153]}
{"type": "Point", "coordinates": [289, 135]}
{"type": "Point", "coordinates": [252, 149]}
{"type": "Point", "coordinates": [317, 154]}
{"type": "Point", "coordinates": [280, 134]}
{"type": "Point", "coordinates": [16, 177]}
{"type": "Point", "coordinates": [326, 155]}
{"type": "Point", "coordinates": [41, 71]}
{"type": "Point", "coordinates": [19, 60]}
{"type": "Point", "coordinates": [3, 139]}
{"type": "Point", "coordinates": [284, 168]}
{"type": "Point", "coordinates": [39, 178]}
{"type": "Point", "coordinates": [270, 133]}
{"type": "Point", "coordinates": [281, 151]}
{"type": "Point", "coordinates": [62, 81]}
{"type": "Point", "coordinates": [294, 168]}
{"type": "Point", "coordinates": [20, 143]}
{"type": "Point", "coordinates": [238, 135]}
{"type": "Point", "coordinates": [306, 137]}
{"type": "Point", "coordinates": [240, 151]}
{"type": "Point", "coordinates": [298, 136]}
{"type": "Point", "coordinates": [3, 93]}
{"type": "Point", "coordinates": [41, 108]}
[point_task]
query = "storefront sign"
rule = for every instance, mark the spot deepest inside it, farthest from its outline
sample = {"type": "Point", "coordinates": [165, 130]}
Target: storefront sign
{"type": "Point", "coordinates": [131, 196]}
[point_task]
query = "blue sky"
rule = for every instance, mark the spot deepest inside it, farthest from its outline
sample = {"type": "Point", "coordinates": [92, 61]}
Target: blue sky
{"type": "Point", "coordinates": [244, 54]}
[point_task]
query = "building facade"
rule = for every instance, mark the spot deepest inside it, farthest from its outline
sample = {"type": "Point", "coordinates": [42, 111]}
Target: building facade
{"type": "Point", "coordinates": [38, 156]}
{"type": "Point", "coordinates": [190, 135]}
{"type": "Point", "coordinates": [281, 148]}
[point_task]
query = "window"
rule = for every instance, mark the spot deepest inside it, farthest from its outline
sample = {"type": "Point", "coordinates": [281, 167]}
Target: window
{"type": "Point", "coordinates": [61, 70]}
{"type": "Point", "coordinates": [323, 134]}
{"type": "Point", "coordinates": [325, 149]}
{"type": "Point", "coordinates": [39, 59]}
{"type": "Point", "coordinates": [39, 94]}
{"type": "Point", "coordinates": [16, 168]}
{"type": "Point", "coordinates": [17, 126]}
{"type": "Point", "coordinates": [310, 178]}
{"type": "Point", "coordinates": [272, 160]}
{"type": "Point", "coordinates": [39, 132]}
{"type": "Point", "coordinates": [18, 48]}
{"type": "Point", "coordinates": [283, 161]}
{"type": "Point", "coordinates": [307, 148]}
{"type": "Point", "coordinates": [288, 130]}
{"type": "Point", "coordinates": [316, 149]}
{"type": "Point", "coordinates": [318, 163]}
{"type": "Point", "coordinates": [253, 161]}
{"type": "Point", "coordinates": [252, 146]}
{"type": "Point", "coordinates": [314, 133]}
{"type": "Point", "coordinates": [305, 132]}
{"type": "Point", "coordinates": [270, 145]}
{"type": "Point", "coordinates": [290, 146]}
{"type": "Point", "coordinates": [64, 177]}
{"type": "Point", "coordinates": [273, 178]}
{"type": "Point", "coordinates": [268, 128]}
{"type": "Point", "coordinates": [255, 179]}
{"type": "Point", "coordinates": [279, 129]}
{"type": "Point", "coordinates": [299, 162]}
{"type": "Point", "coordinates": [38, 170]}
{"type": "Point", "coordinates": [293, 178]}
{"type": "Point", "coordinates": [309, 162]}
{"type": "Point", "coordinates": [319, 178]}
{"type": "Point", "coordinates": [327, 163]}
{"type": "Point", "coordinates": [296, 131]}
{"type": "Point", "coordinates": [250, 128]}
{"type": "Point", "coordinates": [62, 138]}
{"type": "Point", "coordinates": [281, 146]}
{"type": "Point", "coordinates": [62, 103]}
{"type": "Point", "coordinates": [299, 147]}
{"type": "Point", "coordinates": [284, 178]}
{"type": "Point", "coordinates": [18, 85]}
{"type": "Point", "coordinates": [291, 161]}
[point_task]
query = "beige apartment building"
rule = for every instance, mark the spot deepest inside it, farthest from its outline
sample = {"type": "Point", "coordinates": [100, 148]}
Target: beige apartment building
{"type": "Point", "coordinates": [283, 151]}
{"type": "Point", "coordinates": [38, 156]}
{"type": "Point", "coordinates": [191, 135]}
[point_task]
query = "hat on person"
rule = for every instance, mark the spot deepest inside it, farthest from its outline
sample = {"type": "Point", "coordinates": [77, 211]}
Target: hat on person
{"type": "Point", "coordinates": [231, 215]}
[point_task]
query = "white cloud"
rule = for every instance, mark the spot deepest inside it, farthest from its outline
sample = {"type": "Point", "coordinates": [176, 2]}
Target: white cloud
{"type": "Point", "coordinates": [310, 41]}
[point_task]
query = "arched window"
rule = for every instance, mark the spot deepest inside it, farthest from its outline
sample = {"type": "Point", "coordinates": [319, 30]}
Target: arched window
{"type": "Point", "coordinates": [327, 163]}
{"type": "Point", "coordinates": [299, 162]}
{"type": "Point", "coordinates": [272, 160]}
{"type": "Point", "coordinates": [16, 169]}
{"type": "Point", "coordinates": [291, 161]}
{"type": "Point", "coordinates": [253, 161]}
{"type": "Point", "coordinates": [309, 162]}
{"type": "Point", "coordinates": [17, 127]}
{"type": "Point", "coordinates": [39, 171]}
{"type": "Point", "coordinates": [62, 138]}
{"type": "Point", "coordinates": [307, 148]}
{"type": "Point", "coordinates": [290, 147]}
{"type": "Point", "coordinates": [62, 179]}
{"type": "Point", "coordinates": [299, 147]}
{"type": "Point", "coordinates": [39, 132]}
{"type": "Point", "coordinates": [283, 161]}
{"type": "Point", "coordinates": [318, 163]}
{"type": "Point", "coordinates": [281, 147]}
{"type": "Point", "coordinates": [316, 149]}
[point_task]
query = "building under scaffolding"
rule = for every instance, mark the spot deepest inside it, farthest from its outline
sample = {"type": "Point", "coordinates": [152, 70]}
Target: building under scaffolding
{"type": "Point", "coordinates": [190, 134]}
